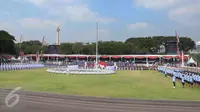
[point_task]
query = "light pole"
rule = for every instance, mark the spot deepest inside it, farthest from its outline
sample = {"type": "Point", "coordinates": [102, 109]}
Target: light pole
{"type": "Point", "coordinates": [20, 44]}
{"type": "Point", "coordinates": [97, 45]}
{"type": "Point", "coordinates": [20, 50]}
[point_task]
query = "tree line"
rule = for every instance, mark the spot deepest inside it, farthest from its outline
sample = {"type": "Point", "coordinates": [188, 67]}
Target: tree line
{"type": "Point", "coordinates": [7, 43]}
{"type": "Point", "coordinates": [133, 45]}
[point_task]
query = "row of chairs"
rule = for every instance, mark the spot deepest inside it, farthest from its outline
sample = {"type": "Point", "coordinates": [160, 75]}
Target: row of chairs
{"type": "Point", "coordinates": [19, 66]}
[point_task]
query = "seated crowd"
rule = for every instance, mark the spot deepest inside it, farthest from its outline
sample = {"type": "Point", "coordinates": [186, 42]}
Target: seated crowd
{"type": "Point", "coordinates": [81, 64]}
{"type": "Point", "coordinates": [119, 65]}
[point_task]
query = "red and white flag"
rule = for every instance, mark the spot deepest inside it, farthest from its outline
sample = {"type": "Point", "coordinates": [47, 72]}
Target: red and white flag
{"type": "Point", "coordinates": [102, 65]}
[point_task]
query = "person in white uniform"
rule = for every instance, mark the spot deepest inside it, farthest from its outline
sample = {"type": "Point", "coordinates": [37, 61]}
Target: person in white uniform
{"type": "Point", "coordinates": [183, 80]}
{"type": "Point", "coordinates": [191, 81]}
{"type": "Point", "coordinates": [174, 81]}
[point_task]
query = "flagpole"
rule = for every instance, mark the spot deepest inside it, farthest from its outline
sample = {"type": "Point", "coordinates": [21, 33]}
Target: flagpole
{"type": "Point", "coordinates": [96, 44]}
{"type": "Point", "coordinates": [20, 50]}
{"type": "Point", "coordinates": [182, 59]}
{"type": "Point", "coordinates": [178, 49]}
{"type": "Point", "coordinates": [177, 42]}
{"type": "Point", "coordinates": [20, 44]}
{"type": "Point", "coordinates": [38, 56]}
{"type": "Point", "coordinates": [42, 45]}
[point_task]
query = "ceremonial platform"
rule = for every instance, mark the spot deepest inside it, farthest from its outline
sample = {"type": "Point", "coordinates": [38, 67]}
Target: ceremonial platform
{"type": "Point", "coordinates": [74, 69]}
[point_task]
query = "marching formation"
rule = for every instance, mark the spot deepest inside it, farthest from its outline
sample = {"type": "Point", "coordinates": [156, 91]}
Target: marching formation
{"type": "Point", "coordinates": [19, 66]}
{"type": "Point", "coordinates": [189, 78]}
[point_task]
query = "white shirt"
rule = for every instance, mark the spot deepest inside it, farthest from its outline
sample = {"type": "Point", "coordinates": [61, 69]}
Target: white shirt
{"type": "Point", "coordinates": [182, 79]}
{"type": "Point", "coordinates": [174, 79]}
{"type": "Point", "coordinates": [191, 79]}
{"type": "Point", "coordinates": [199, 78]}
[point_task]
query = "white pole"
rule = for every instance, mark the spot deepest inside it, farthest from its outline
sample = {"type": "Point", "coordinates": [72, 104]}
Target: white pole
{"type": "Point", "coordinates": [20, 44]}
{"type": "Point", "coordinates": [147, 62]}
{"type": "Point", "coordinates": [20, 50]}
{"type": "Point", "coordinates": [38, 57]}
{"type": "Point", "coordinates": [182, 57]}
{"type": "Point", "coordinates": [58, 35]}
{"type": "Point", "coordinates": [96, 45]}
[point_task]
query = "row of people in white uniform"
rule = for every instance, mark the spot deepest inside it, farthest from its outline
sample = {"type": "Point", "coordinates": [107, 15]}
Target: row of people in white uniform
{"type": "Point", "coordinates": [19, 66]}
{"type": "Point", "coordinates": [184, 76]}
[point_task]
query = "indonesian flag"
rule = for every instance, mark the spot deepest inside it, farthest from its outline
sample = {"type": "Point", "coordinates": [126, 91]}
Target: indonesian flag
{"type": "Point", "coordinates": [102, 64]}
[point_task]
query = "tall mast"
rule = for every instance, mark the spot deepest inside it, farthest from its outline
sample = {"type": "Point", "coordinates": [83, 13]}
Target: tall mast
{"type": "Point", "coordinates": [97, 44]}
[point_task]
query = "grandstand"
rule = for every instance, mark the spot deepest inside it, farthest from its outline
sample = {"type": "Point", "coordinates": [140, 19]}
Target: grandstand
{"type": "Point", "coordinates": [135, 58]}
{"type": "Point", "coordinates": [123, 62]}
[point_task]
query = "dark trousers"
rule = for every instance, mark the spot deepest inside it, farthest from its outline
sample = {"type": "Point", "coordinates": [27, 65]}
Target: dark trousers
{"type": "Point", "coordinates": [174, 83]}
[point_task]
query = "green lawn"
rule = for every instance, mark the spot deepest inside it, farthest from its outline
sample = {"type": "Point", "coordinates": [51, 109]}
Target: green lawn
{"type": "Point", "coordinates": [124, 84]}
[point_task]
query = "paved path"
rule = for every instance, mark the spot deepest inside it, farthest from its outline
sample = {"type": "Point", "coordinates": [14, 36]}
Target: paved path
{"type": "Point", "coordinates": [46, 102]}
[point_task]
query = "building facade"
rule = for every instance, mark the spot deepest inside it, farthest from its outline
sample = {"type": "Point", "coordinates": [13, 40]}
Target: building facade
{"type": "Point", "coordinates": [197, 49]}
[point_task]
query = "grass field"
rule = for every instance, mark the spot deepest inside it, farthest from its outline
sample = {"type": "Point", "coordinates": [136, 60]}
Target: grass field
{"type": "Point", "coordinates": [124, 84]}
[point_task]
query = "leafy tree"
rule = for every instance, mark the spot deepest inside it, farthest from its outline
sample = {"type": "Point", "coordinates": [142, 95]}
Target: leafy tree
{"type": "Point", "coordinates": [77, 48]}
{"type": "Point", "coordinates": [30, 47]}
{"type": "Point", "coordinates": [152, 44]}
{"type": "Point", "coordinates": [187, 44]}
{"type": "Point", "coordinates": [136, 45]}
{"type": "Point", "coordinates": [66, 48]}
{"type": "Point", "coordinates": [7, 45]}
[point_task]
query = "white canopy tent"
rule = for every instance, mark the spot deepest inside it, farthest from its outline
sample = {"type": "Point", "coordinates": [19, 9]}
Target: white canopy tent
{"type": "Point", "coordinates": [25, 58]}
{"type": "Point", "coordinates": [191, 61]}
{"type": "Point", "coordinates": [13, 58]}
{"type": "Point", "coordinates": [19, 58]}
